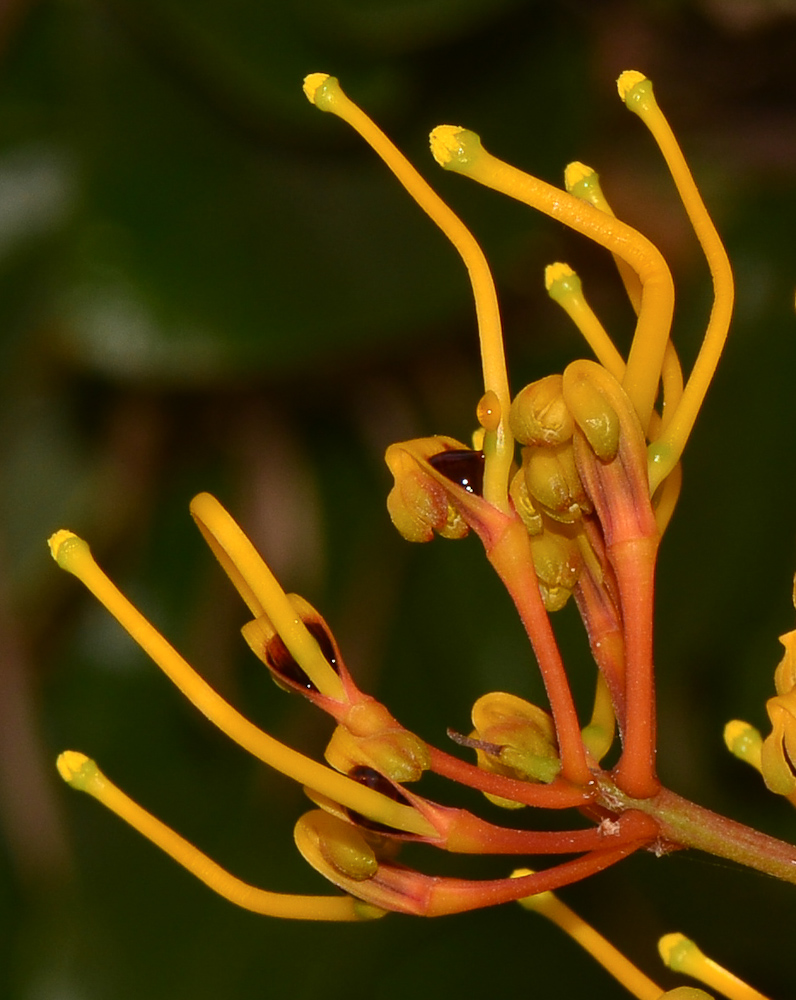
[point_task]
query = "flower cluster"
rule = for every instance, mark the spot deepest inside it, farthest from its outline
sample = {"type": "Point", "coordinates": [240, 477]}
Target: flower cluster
{"type": "Point", "coordinates": [569, 486]}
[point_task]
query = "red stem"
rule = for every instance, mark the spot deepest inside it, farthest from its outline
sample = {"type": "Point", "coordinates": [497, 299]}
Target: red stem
{"type": "Point", "coordinates": [634, 562]}
{"type": "Point", "coordinates": [469, 834]}
{"type": "Point", "coordinates": [557, 795]}
{"type": "Point", "coordinates": [619, 491]}
{"type": "Point", "coordinates": [426, 895]}
{"type": "Point", "coordinates": [510, 554]}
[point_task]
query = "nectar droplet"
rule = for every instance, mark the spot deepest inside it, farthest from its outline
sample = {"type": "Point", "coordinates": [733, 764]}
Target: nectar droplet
{"type": "Point", "coordinates": [488, 411]}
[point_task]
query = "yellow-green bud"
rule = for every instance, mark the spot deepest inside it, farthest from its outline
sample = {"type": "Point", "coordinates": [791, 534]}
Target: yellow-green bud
{"type": "Point", "coordinates": [557, 561]}
{"type": "Point", "coordinates": [562, 283]}
{"type": "Point", "coordinates": [418, 503]}
{"type": "Point", "coordinates": [778, 753]}
{"type": "Point", "coordinates": [592, 411]}
{"type": "Point", "coordinates": [523, 504]}
{"type": "Point", "coordinates": [524, 734]}
{"type": "Point", "coordinates": [539, 414]}
{"type": "Point", "coordinates": [552, 479]}
{"type": "Point", "coordinates": [326, 842]}
{"type": "Point", "coordinates": [785, 674]}
{"type": "Point", "coordinates": [396, 753]}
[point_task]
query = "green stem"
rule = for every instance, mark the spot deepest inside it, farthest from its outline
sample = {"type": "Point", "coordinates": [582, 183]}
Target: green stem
{"type": "Point", "coordinates": [685, 824]}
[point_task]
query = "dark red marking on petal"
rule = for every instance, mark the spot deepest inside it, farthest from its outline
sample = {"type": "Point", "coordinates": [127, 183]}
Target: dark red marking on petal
{"type": "Point", "coordinates": [281, 661]}
{"type": "Point", "coordinates": [372, 778]}
{"type": "Point", "coordinates": [463, 467]}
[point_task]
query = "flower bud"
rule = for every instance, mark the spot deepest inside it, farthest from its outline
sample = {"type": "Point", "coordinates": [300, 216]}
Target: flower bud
{"type": "Point", "coordinates": [517, 740]}
{"type": "Point", "coordinates": [557, 561]}
{"type": "Point", "coordinates": [552, 479]}
{"type": "Point", "coordinates": [327, 842]}
{"type": "Point", "coordinates": [539, 414]}
{"type": "Point", "coordinates": [583, 388]}
{"type": "Point", "coordinates": [785, 674]}
{"type": "Point", "coordinates": [523, 504]}
{"type": "Point", "coordinates": [419, 503]}
{"type": "Point", "coordinates": [778, 753]}
{"type": "Point", "coordinates": [395, 752]}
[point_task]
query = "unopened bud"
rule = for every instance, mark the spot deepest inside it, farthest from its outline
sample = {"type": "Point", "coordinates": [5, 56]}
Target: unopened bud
{"type": "Point", "coordinates": [552, 479]}
{"type": "Point", "coordinates": [778, 753]}
{"type": "Point", "coordinates": [785, 674]}
{"type": "Point", "coordinates": [524, 505]}
{"type": "Point", "coordinates": [326, 842]}
{"type": "Point", "coordinates": [557, 561]}
{"type": "Point", "coordinates": [591, 409]}
{"type": "Point", "coordinates": [396, 753]}
{"type": "Point", "coordinates": [419, 504]}
{"type": "Point", "coordinates": [539, 414]}
{"type": "Point", "coordinates": [522, 734]}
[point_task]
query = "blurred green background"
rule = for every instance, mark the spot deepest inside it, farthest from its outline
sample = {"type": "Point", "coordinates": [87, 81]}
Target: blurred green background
{"type": "Point", "coordinates": [207, 284]}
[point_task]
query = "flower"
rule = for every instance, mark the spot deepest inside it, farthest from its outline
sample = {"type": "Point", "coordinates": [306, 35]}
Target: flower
{"type": "Point", "coordinates": [580, 515]}
{"type": "Point", "coordinates": [774, 757]}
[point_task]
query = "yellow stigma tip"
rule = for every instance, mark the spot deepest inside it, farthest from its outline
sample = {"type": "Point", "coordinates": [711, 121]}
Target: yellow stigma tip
{"type": "Point", "coordinates": [743, 741]}
{"type": "Point", "coordinates": [556, 272]}
{"type": "Point", "coordinates": [454, 147]}
{"type": "Point", "coordinates": [65, 546]}
{"type": "Point", "coordinates": [319, 89]}
{"type": "Point", "coordinates": [576, 173]}
{"type": "Point", "coordinates": [445, 143]}
{"type": "Point", "coordinates": [677, 952]}
{"type": "Point", "coordinates": [76, 769]}
{"type": "Point", "coordinates": [311, 83]}
{"type": "Point", "coordinates": [627, 81]}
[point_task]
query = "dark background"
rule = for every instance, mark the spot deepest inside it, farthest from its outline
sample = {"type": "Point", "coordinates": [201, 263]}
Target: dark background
{"type": "Point", "coordinates": [207, 284]}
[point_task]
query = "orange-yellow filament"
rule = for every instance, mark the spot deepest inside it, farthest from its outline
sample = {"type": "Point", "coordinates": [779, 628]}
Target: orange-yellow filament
{"type": "Point", "coordinates": [325, 92]}
{"type": "Point", "coordinates": [83, 774]}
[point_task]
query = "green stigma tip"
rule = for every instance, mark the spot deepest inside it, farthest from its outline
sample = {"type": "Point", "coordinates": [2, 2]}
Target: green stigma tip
{"type": "Point", "coordinates": [65, 546]}
{"type": "Point", "coordinates": [77, 770]}
{"type": "Point", "coordinates": [636, 91]}
{"type": "Point", "coordinates": [366, 911]}
{"type": "Point", "coordinates": [628, 81]}
{"type": "Point", "coordinates": [319, 89]}
{"type": "Point", "coordinates": [561, 281]}
{"type": "Point", "coordinates": [454, 147]}
{"type": "Point", "coordinates": [743, 741]}
{"type": "Point", "coordinates": [678, 952]}
{"type": "Point", "coordinates": [577, 173]}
